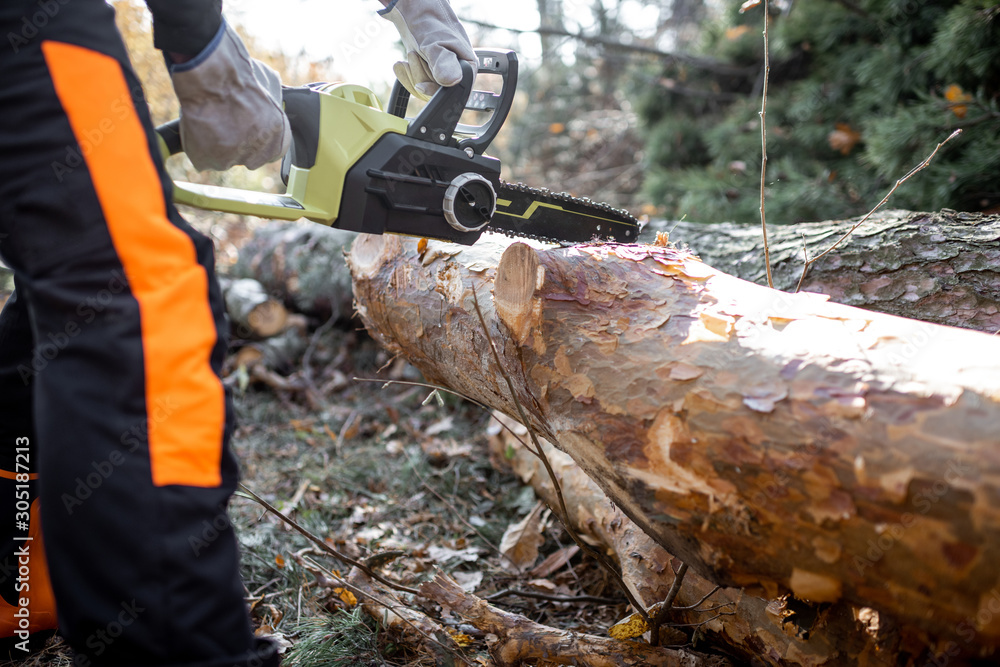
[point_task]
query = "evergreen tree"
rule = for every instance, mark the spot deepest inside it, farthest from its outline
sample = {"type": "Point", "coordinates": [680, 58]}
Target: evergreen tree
{"type": "Point", "coordinates": [860, 91]}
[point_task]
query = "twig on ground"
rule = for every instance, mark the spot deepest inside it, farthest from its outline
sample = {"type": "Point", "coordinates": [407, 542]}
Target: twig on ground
{"type": "Point", "coordinates": [326, 547]}
{"type": "Point", "coordinates": [549, 597]}
{"type": "Point", "coordinates": [386, 383]}
{"type": "Point", "coordinates": [459, 516]}
{"type": "Point", "coordinates": [920, 167]}
{"type": "Point", "coordinates": [329, 579]}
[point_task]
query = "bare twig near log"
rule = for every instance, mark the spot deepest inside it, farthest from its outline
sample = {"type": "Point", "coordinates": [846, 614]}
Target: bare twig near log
{"type": "Point", "coordinates": [520, 640]}
{"type": "Point", "coordinates": [769, 440]}
{"type": "Point", "coordinates": [781, 632]}
{"type": "Point", "coordinates": [937, 267]}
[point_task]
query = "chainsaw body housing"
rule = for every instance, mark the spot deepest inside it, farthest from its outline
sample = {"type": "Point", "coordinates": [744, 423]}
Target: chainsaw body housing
{"type": "Point", "coordinates": [355, 166]}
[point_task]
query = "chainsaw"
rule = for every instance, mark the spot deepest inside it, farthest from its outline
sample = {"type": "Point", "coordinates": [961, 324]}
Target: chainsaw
{"type": "Point", "coordinates": [356, 166]}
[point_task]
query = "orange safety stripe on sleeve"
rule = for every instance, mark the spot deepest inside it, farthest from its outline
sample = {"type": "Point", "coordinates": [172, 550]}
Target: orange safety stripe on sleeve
{"type": "Point", "coordinates": [185, 401]}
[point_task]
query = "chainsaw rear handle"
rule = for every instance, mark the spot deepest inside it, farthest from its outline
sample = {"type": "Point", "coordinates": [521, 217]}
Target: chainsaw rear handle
{"type": "Point", "coordinates": [439, 120]}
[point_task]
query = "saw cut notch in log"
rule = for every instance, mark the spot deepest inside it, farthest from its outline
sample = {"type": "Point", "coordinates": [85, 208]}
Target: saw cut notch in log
{"type": "Point", "coordinates": [771, 441]}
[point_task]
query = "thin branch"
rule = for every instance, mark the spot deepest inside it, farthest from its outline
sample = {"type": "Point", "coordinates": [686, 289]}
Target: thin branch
{"type": "Point", "coordinates": [386, 383]}
{"type": "Point", "coordinates": [550, 598]}
{"type": "Point", "coordinates": [317, 569]}
{"type": "Point", "coordinates": [920, 167]}
{"type": "Point", "coordinates": [763, 144]}
{"type": "Point", "coordinates": [564, 512]}
{"type": "Point", "coordinates": [326, 547]}
{"type": "Point", "coordinates": [697, 604]}
{"type": "Point", "coordinates": [661, 615]}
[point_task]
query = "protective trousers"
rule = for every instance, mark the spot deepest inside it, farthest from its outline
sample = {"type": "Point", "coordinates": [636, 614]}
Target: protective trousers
{"type": "Point", "coordinates": [110, 355]}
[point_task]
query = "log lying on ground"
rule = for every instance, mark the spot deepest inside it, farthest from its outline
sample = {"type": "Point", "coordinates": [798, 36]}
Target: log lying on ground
{"type": "Point", "coordinates": [522, 641]}
{"type": "Point", "coordinates": [771, 441]}
{"type": "Point", "coordinates": [937, 267]}
{"type": "Point", "coordinates": [783, 632]}
{"type": "Point", "coordinates": [302, 264]}
{"type": "Point", "coordinates": [253, 313]}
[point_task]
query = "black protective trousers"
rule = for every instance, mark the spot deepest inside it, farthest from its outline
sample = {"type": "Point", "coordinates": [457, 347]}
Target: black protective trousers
{"type": "Point", "coordinates": [111, 405]}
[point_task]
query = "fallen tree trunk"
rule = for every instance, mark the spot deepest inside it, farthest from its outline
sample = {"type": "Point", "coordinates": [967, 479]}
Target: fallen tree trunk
{"type": "Point", "coordinates": [520, 640]}
{"type": "Point", "coordinates": [937, 267]}
{"type": "Point", "coordinates": [782, 632]}
{"type": "Point", "coordinates": [771, 441]}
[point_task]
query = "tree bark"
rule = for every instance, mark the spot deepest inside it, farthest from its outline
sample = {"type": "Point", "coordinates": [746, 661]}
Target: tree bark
{"type": "Point", "coordinates": [783, 632]}
{"type": "Point", "coordinates": [772, 441]}
{"type": "Point", "coordinates": [937, 267]}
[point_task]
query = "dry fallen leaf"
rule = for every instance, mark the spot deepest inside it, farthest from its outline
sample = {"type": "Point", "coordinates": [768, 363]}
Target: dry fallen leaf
{"type": "Point", "coordinates": [629, 628]}
{"type": "Point", "coordinates": [521, 540]}
{"type": "Point", "coordinates": [555, 561]}
{"type": "Point", "coordinates": [346, 596]}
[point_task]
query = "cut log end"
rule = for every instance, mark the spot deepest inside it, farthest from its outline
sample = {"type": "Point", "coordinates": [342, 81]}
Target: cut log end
{"type": "Point", "coordinates": [369, 251]}
{"type": "Point", "coordinates": [518, 275]}
{"type": "Point", "coordinates": [268, 319]}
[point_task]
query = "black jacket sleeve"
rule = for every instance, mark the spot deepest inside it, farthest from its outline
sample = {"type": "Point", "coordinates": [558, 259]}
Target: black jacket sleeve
{"type": "Point", "coordinates": [184, 26]}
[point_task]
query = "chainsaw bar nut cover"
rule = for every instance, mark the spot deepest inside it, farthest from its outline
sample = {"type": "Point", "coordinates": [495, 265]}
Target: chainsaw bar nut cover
{"type": "Point", "coordinates": [469, 202]}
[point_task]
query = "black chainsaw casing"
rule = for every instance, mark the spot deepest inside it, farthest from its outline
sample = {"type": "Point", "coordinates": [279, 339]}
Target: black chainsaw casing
{"type": "Point", "coordinates": [398, 187]}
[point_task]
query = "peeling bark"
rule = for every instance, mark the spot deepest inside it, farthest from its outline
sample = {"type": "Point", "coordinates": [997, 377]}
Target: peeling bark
{"type": "Point", "coordinates": [771, 441]}
{"type": "Point", "coordinates": [937, 267]}
{"type": "Point", "coordinates": [783, 632]}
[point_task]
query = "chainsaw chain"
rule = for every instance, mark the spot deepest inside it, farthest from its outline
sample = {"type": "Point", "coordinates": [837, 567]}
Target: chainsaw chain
{"type": "Point", "coordinates": [619, 214]}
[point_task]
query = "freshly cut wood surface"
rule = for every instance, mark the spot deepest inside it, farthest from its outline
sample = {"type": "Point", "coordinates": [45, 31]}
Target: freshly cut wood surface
{"type": "Point", "coordinates": [772, 441]}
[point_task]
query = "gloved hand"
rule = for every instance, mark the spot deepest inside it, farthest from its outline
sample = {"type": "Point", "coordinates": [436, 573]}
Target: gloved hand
{"type": "Point", "coordinates": [435, 41]}
{"type": "Point", "coordinates": [231, 109]}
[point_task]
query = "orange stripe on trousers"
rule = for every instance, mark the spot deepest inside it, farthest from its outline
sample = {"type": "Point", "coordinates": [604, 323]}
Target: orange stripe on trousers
{"type": "Point", "coordinates": [185, 402]}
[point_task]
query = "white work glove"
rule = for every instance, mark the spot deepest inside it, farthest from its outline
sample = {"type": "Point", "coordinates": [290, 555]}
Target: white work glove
{"type": "Point", "coordinates": [435, 41]}
{"type": "Point", "coordinates": [231, 108]}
